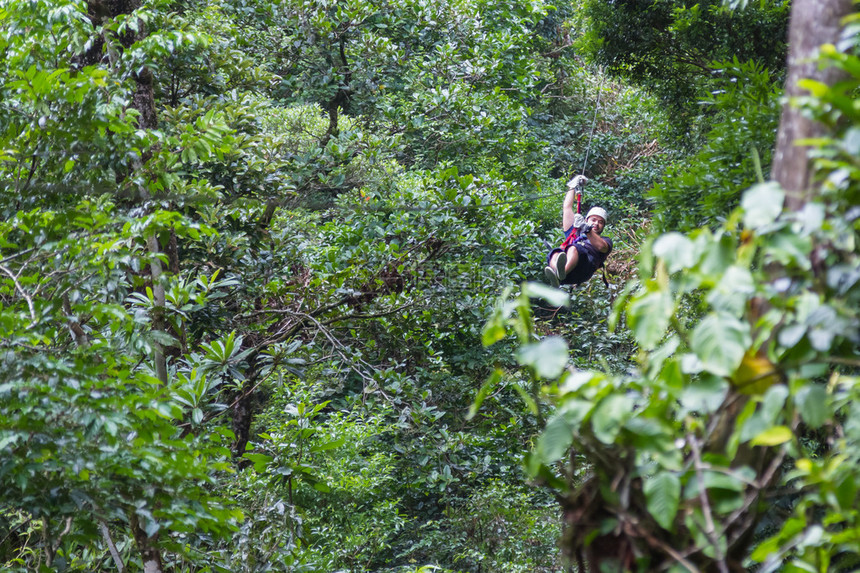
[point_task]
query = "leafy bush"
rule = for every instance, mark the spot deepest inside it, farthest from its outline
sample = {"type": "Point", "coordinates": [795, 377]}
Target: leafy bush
{"type": "Point", "coordinates": [743, 407]}
{"type": "Point", "coordinates": [703, 189]}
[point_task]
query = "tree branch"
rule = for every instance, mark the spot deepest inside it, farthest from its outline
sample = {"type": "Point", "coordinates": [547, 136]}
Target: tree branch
{"type": "Point", "coordinates": [20, 289]}
{"type": "Point", "coordinates": [120, 566]}
{"type": "Point", "coordinates": [710, 529]}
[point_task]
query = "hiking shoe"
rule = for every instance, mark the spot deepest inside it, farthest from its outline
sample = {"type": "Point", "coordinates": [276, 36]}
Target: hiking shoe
{"type": "Point", "coordinates": [560, 263]}
{"type": "Point", "coordinates": [551, 277]}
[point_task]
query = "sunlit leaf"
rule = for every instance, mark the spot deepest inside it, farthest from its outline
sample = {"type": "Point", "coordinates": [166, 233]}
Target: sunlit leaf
{"type": "Point", "coordinates": [649, 316]}
{"type": "Point", "coordinates": [548, 357]}
{"type": "Point", "coordinates": [773, 436]}
{"type": "Point", "coordinates": [812, 402]}
{"type": "Point", "coordinates": [720, 341]}
{"type": "Point", "coordinates": [762, 204]}
{"type": "Point", "coordinates": [609, 416]}
{"type": "Point", "coordinates": [552, 296]}
{"type": "Point", "coordinates": [555, 440]}
{"type": "Point", "coordinates": [676, 249]}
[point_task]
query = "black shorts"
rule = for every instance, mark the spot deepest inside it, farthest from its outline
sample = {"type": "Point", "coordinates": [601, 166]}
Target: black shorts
{"type": "Point", "coordinates": [583, 270]}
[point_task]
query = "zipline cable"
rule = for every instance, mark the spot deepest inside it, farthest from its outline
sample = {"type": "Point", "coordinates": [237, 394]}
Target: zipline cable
{"type": "Point", "coordinates": [593, 122]}
{"type": "Point", "coordinates": [525, 199]}
{"type": "Point", "coordinates": [460, 207]}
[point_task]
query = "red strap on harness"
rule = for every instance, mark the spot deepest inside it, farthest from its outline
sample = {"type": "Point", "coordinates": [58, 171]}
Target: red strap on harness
{"type": "Point", "coordinates": [573, 234]}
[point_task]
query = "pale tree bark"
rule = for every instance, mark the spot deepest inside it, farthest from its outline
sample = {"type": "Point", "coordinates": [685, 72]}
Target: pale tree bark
{"type": "Point", "coordinates": [813, 23]}
{"type": "Point", "coordinates": [143, 100]}
{"type": "Point", "coordinates": [149, 553]}
{"type": "Point", "coordinates": [120, 566]}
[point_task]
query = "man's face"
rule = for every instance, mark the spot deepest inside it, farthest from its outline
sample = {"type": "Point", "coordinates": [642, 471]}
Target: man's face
{"type": "Point", "coordinates": [597, 222]}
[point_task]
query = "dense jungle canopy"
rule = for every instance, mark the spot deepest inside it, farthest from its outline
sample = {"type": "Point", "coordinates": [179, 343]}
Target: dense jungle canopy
{"type": "Point", "coordinates": [271, 286]}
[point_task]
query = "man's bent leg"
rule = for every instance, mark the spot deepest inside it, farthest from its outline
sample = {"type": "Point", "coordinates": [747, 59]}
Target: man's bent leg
{"type": "Point", "coordinates": [572, 259]}
{"type": "Point", "coordinates": [558, 261]}
{"type": "Point", "coordinates": [551, 270]}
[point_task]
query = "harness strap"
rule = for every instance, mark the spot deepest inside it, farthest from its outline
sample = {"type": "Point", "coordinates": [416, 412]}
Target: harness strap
{"type": "Point", "coordinates": [574, 234]}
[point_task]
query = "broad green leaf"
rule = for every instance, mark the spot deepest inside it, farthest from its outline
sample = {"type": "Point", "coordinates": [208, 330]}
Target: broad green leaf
{"type": "Point", "coordinates": [649, 316]}
{"type": "Point", "coordinates": [765, 549]}
{"type": "Point", "coordinates": [554, 442]}
{"type": "Point", "coordinates": [548, 357]}
{"type": "Point", "coordinates": [813, 216]}
{"type": "Point", "coordinates": [150, 526]}
{"type": "Point", "coordinates": [792, 527]}
{"type": "Point", "coordinates": [662, 494]}
{"type": "Point", "coordinates": [657, 358]}
{"type": "Point", "coordinates": [676, 249]}
{"type": "Point", "coordinates": [753, 427]}
{"type": "Point", "coordinates": [704, 395]}
{"type": "Point", "coordinates": [328, 445]}
{"type": "Point", "coordinates": [672, 377]}
{"type": "Point", "coordinates": [8, 439]}
{"type": "Point", "coordinates": [260, 461]}
{"type": "Point", "coordinates": [610, 415]}
{"type": "Point", "coordinates": [846, 491]}
{"type": "Point", "coordinates": [492, 333]}
{"type": "Point", "coordinates": [575, 411]}
{"type": "Point", "coordinates": [485, 390]}
{"type": "Point", "coordinates": [720, 341]}
{"type": "Point", "coordinates": [790, 249]}
{"type": "Point", "coordinates": [733, 291]}
{"type": "Point", "coordinates": [575, 380]}
{"type": "Point", "coordinates": [528, 400]}
{"type": "Point", "coordinates": [773, 436]}
{"type": "Point", "coordinates": [717, 254]}
{"type": "Point", "coordinates": [815, 87]}
{"type": "Point", "coordinates": [773, 403]}
{"type": "Point", "coordinates": [762, 204]}
{"type": "Point", "coordinates": [731, 480]}
{"type": "Point", "coordinates": [812, 402]}
{"type": "Point", "coordinates": [553, 296]}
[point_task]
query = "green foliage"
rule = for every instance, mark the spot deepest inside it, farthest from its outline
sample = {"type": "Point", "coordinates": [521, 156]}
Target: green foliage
{"type": "Point", "coordinates": [500, 527]}
{"type": "Point", "coordinates": [672, 47]}
{"type": "Point", "coordinates": [697, 373]}
{"type": "Point", "coordinates": [90, 437]}
{"type": "Point", "coordinates": [305, 219]}
{"type": "Point", "coordinates": [746, 385]}
{"type": "Point", "coordinates": [703, 188]}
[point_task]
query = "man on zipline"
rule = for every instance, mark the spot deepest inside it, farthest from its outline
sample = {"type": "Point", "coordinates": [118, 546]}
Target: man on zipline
{"type": "Point", "coordinates": [583, 250]}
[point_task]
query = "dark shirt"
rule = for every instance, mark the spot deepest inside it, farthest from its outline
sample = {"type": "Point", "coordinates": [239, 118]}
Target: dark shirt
{"type": "Point", "coordinates": [595, 257]}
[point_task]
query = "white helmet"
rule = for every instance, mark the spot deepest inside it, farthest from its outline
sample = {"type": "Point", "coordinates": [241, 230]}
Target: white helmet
{"type": "Point", "coordinates": [599, 211]}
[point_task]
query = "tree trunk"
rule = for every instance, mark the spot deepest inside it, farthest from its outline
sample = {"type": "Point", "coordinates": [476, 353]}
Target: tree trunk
{"type": "Point", "coordinates": [813, 23]}
{"type": "Point", "coordinates": [149, 552]}
{"type": "Point", "coordinates": [158, 322]}
{"type": "Point", "coordinates": [101, 11]}
{"type": "Point", "coordinates": [341, 98]}
{"type": "Point", "coordinates": [143, 101]}
{"type": "Point", "coordinates": [114, 553]}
